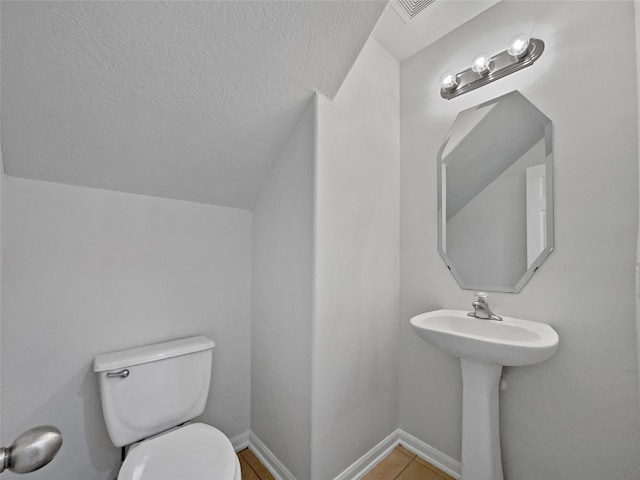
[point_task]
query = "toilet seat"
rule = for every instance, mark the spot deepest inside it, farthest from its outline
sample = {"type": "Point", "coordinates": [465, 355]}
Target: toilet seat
{"type": "Point", "coordinates": [192, 452]}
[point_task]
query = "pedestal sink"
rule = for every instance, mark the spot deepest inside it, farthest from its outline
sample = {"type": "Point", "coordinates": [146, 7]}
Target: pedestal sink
{"type": "Point", "coordinates": [484, 347]}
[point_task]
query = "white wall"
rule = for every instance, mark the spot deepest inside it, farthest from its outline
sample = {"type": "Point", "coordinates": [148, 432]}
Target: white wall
{"type": "Point", "coordinates": [354, 381]}
{"type": "Point", "coordinates": [324, 377]}
{"type": "Point", "coordinates": [90, 271]}
{"type": "Point", "coordinates": [576, 415]}
{"type": "Point", "coordinates": [282, 304]}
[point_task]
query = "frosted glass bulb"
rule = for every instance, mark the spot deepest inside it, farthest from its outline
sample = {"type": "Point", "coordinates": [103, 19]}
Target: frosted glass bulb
{"type": "Point", "coordinates": [448, 81]}
{"type": "Point", "coordinates": [519, 45]}
{"type": "Point", "coordinates": [481, 63]}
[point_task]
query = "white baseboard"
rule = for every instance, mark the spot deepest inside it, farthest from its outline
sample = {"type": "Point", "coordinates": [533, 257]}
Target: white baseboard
{"type": "Point", "coordinates": [364, 464]}
{"type": "Point", "coordinates": [240, 442]}
{"type": "Point", "coordinates": [360, 467]}
{"type": "Point", "coordinates": [430, 454]}
{"type": "Point", "coordinates": [268, 459]}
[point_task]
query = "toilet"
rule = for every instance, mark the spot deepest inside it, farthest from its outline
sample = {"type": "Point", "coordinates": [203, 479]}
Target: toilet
{"type": "Point", "coordinates": [149, 396]}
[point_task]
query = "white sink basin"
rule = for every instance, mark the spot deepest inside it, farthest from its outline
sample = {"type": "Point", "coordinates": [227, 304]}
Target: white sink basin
{"type": "Point", "coordinates": [484, 347]}
{"type": "Point", "coordinates": [510, 342]}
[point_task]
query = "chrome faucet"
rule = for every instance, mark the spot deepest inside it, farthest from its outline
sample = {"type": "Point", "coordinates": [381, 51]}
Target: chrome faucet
{"type": "Point", "coordinates": [481, 308]}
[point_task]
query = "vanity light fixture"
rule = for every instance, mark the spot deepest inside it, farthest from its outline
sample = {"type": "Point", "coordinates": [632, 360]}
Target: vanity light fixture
{"type": "Point", "coordinates": [521, 52]}
{"type": "Point", "coordinates": [519, 45]}
{"type": "Point", "coordinates": [448, 81]}
{"type": "Point", "coordinates": [481, 63]}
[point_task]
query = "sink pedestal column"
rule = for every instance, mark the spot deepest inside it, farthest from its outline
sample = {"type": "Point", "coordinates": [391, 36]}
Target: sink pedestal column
{"type": "Point", "coordinates": [481, 456]}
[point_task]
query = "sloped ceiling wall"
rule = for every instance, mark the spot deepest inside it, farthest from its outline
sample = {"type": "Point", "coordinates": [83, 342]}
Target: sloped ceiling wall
{"type": "Point", "coordinates": [404, 38]}
{"type": "Point", "coordinates": [186, 100]}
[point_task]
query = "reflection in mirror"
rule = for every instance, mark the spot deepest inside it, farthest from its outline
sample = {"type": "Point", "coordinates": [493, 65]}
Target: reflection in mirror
{"type": "Point", "coordinates": [495, 195]}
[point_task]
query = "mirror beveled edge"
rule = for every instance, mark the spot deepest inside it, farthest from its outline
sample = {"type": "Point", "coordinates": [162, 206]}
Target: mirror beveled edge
{"type": "Point", "coordinates": [549, 246]}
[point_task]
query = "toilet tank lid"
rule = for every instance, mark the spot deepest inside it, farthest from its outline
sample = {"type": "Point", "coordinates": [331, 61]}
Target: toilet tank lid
{"type": "Point", "coordinates": [151, 353]}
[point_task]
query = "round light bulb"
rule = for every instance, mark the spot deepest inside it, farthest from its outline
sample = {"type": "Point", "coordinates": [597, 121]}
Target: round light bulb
{"type": "Point", "coordinates": [448, 81]}
{"type": "Point", "coordinates": [481, 63]}
{"type": "Point", "coordinates": [519, 45]}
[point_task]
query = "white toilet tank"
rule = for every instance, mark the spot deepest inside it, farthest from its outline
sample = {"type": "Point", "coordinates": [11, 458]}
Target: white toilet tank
{"type": "Point", "coordinates": [149, 389]}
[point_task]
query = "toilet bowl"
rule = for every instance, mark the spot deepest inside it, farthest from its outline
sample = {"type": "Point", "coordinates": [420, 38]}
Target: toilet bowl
{"type": "Point", "coordinates": [149, 394]}
{"type": "Point", "coordinates": [195, 452]}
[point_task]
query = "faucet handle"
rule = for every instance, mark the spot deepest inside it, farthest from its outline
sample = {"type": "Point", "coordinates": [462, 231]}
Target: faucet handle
{"type": "Point", "coordinates": [482, 297]}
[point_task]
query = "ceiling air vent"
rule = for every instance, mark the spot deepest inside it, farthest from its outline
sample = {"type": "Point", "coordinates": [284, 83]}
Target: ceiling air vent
{"type": "Point", "coordinates": [410, 8]}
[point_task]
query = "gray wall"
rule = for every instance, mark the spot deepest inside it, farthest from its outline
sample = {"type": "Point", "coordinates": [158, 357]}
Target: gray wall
{"type": "Point", "coordinates": [2, 194]}
{"type": "Point", "coordinates": [90, 271]}
{"type": "Point", "coordinates": [574, 416]}
{"type": "Point", "coordinates": [282, 304]}
{"type": "Point", "coordinates": [356, 265]}
{"type": "Point", "coordinates": [636, 5]}
{"type": "Point", "coordinates": [2, 221]}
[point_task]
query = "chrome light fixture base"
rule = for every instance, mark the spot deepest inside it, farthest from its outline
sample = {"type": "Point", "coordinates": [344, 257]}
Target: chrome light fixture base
{"type": "Point", "coordinates": [501, 65]}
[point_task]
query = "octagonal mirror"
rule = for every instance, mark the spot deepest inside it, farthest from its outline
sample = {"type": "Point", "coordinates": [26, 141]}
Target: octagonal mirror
{"type": "Point", "coordinates": [495, 194]}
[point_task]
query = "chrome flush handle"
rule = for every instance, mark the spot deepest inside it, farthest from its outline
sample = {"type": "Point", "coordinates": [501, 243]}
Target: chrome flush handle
{"type": "Point", "coordinates": [122, 374]}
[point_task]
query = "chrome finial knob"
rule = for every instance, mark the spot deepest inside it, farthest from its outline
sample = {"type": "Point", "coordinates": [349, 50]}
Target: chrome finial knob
{"type": "Point", "coordinates": [32, 450]}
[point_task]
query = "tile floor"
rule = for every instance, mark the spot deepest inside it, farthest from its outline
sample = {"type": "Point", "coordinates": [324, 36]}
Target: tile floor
{"type": "Point", "coordinates": [400, 464]}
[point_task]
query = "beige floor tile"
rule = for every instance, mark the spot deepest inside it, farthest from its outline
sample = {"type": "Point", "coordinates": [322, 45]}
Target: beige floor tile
{"type": "Point", "coordinates": [444, 475]}
{"type": "Point", "coordinates": [247, 471]}
{"type": "Point", "coordinates": [252, 460]}
{"type": "Point", "coordinates": [389, 467]}
{"type": "Point", "coordinates": [408, 453]}
{"type": "Point", "coordinates": [417, 471]}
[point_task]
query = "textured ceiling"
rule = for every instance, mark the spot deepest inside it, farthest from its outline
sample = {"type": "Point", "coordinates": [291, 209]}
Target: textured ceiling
{"type": "Point", "coordinates": [187, 100]}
